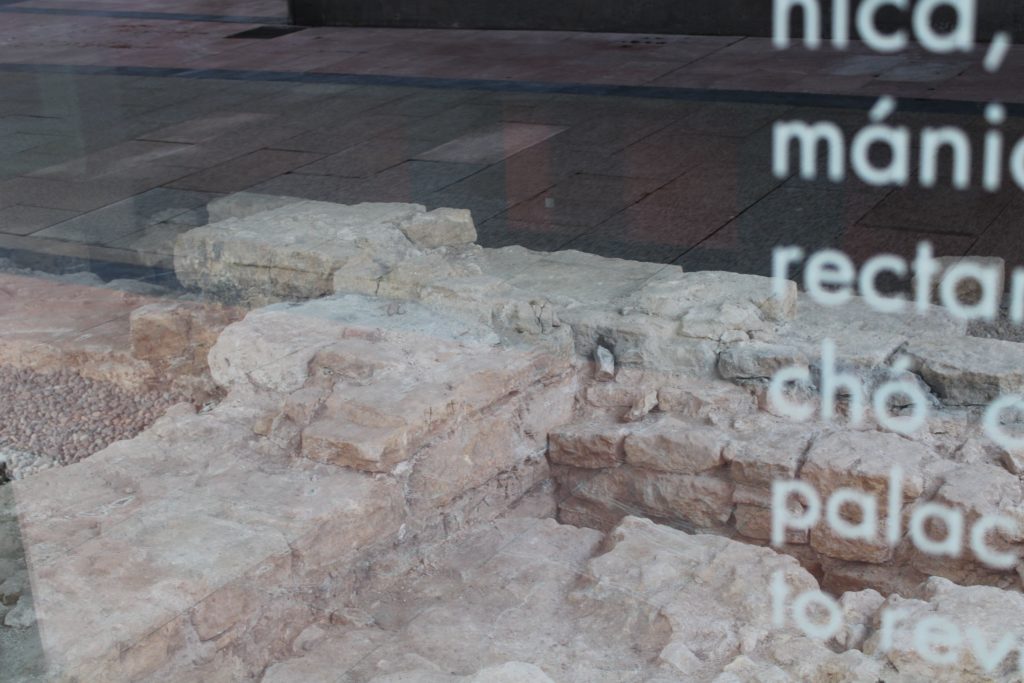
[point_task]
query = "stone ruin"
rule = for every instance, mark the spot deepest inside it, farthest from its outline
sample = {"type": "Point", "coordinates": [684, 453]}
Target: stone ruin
{"type": "Point", "coordinates": [394, 455]}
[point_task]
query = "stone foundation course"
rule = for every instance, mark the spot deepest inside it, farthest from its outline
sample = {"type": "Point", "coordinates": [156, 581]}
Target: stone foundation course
{"type": "Point", "coordinates": [385, 453]}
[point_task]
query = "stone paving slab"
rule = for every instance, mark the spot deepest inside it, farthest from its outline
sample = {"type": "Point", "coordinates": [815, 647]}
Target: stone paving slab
{"type": "Point", "coordinates": [491, 147]}
{"type": "Point", "coordinates": [114, 222]}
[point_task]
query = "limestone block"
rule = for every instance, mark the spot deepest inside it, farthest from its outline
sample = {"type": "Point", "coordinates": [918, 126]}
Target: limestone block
{"type": "Point", "coordinates": [481, 447]}
{"type": "Point", "coordinates": [170, 519]}
{"type": "Point", "coordinates": [440, 269]}
{"type": "Point", "coordinates": [22, 615]}
{"type": "Point", "coordinates": [969, 370]}
{"type": "Point", "coordinates": [864, 337]}
{"type": "Point", "coordinates": [642, 406]}
{"type": "Point", "coordinates": [858, 610]}
{"type": "Point", "coordinates": [273, 347]}
{"type": "Point", "coordinates": [671, 445]}
{"type": "Point", "coordinates": [705, 399]}
{"type": "Point", "coordinates": [741, 302]}
{"type": "Point", "coordinates": [640, 340]}
{"type": "Point", "coordinates": [975, 491]}
{"type": "Point", "coordinates": [757, 360]}
{"type": "Point", "coordinates": [616, 394]}
{"type": "Point", "coordinates": [568, 278]}
{"type": "Point", "coordinates": [699, 501]}
{"type": "Point", "coordinates": [292, 252]}
{"type": "Point", "coordinates": [863, 461]}
{"type": "Point", "coordinates": [589, 444]}
{"type": "Point", "coordinates": [511, 672]}
{"type": "Point", "coordinates": [363, 447]}
{"type": "Point", "coordinates": [766, 450]}
{"type": "Point", "coordinates": [755, 521]}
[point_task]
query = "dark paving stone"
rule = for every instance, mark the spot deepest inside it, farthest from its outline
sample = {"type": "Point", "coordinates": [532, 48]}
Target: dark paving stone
{"type": "Point", "coordinates": [938, 210]}
{"type": "Point", "coordinates": [243, 172]}
{"type": "Point", "coordinates": [343, 134]}
{"type": "Point", "coordinates": [812, 219]}
{"type": "Point", "coordinates": [481, 208]}
{"type": "Point", "coordinates": [646, 232]}
{"type": "Point", "coordinates": [429, 103]}
{"type": "Point", "coordinates": [205, 127]}
{"type": "Point", "coordinates": [611, 134]}
{"type": "Point", "coordinates": [315, 187]}
{"type": "Point", "coordinates": [555, 162]}
{"type": "Point", "coordinates": [861, 242]}
{"type": "Point", "coordinates": [733, 120]}
{"type": "Point", "coordinates": [663, 159]}
{"type": "Point", "coordinates": [453, 123]}
{"type": "Point", "coordinates": [501, 232]}
{"type": "Point", "coordinates": [113, 222]}
{"type": "Point", "coordinates": [425, 177]}
{"type": "Point", "coordinates": [130, 158]}
{"type": "Point", "coordinates": [504, 182]}
{"type": "Point", "coordinates": [607, 245]}
{"type": "Point", "coordinates": [582, 200]}
{"type": "Point", "coordinates": [25, 220]}
{"type": "Point", "coordinates": [1005, 236]}
{"type": "Point", "coordinates": [491, 146]}
{"type": "Point", "coordinates": [368, 158]}
{"type": "Point", "coordinates": [73, 196]}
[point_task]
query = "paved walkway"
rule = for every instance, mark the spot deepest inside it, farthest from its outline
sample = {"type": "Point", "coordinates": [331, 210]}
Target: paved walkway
{"type": "Point", "coordinates": [119, 120]}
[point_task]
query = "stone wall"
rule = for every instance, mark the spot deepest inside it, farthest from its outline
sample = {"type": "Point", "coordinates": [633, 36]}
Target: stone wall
{"type": "Point", "coordinates": [393, 388]}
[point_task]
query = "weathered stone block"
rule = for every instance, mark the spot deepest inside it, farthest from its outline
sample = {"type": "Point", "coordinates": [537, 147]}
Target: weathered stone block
{"type": "Point", "coordinates": [291, 252]}
{"type": "Point", "coordinates": [671, 445]}
{"type": "Point", "coordinates": [590, 445]}
{"type": "Point", "coordinates": [969, 370]}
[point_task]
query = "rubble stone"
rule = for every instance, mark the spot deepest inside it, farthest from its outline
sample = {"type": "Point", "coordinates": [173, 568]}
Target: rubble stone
{"type": "Point", "coordinates": [605, 365]}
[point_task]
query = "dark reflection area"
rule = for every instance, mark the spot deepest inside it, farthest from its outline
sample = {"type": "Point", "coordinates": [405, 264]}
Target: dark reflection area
{"type": "Point", "coordinates": [21, 650]}
{"type": "Point", "coordinates": [103, 172]}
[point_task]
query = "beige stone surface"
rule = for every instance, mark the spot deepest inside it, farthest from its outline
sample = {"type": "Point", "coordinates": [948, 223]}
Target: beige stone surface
{"type": "Point", "coordinates": [648, 603]}
{"type": "Point", "coordinates": [767, 449]}
{"type": "Point", "coordinates": [441, 228]}
{"type": "Point", "coordinates": [982, 615]}
{"type": "Point", "coordinates": [291, 251]}
{"type": "Point", "coordinates": [671, 445]}
{"type": "Point", "coordinates": [332, 517]}
{"type": "Point", "coordinates": [863, 336]}
{"type": "Point", "coordinates": [169, 523]}
{"type": "Point", "coordinates": [700, 501]}
{"type": "Point", "coordinates": [758, 360]}
{"type": "Point", "coordinates": [591, 444]}
{"type": "Point", "coordinates": [969, 370]}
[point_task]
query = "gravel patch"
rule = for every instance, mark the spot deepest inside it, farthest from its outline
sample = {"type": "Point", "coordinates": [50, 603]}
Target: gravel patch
{"type": "Point", "coordinates": [58, 418]}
